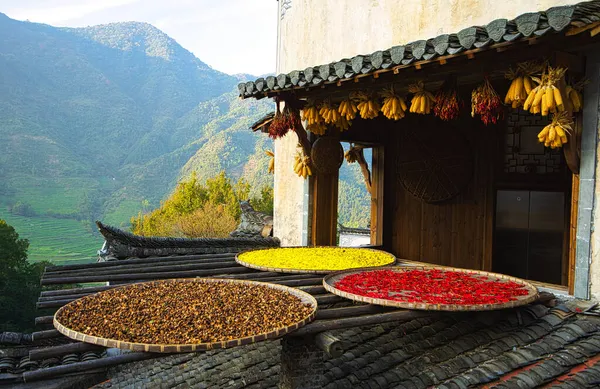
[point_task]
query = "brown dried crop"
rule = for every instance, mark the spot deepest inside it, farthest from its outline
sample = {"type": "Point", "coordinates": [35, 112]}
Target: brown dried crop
{"type": "Point", "coordinates": [183, 312]}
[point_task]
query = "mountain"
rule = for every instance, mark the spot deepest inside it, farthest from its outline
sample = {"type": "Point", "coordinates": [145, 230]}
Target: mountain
{"type": "Point", "coordinates": [94, 120]}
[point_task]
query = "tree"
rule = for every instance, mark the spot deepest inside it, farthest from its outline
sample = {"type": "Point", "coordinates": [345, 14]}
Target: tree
{"type": "Point", "coordinates": [211, 210]}
{"type": "Point", "coordinates": [264, 203]}
{"type": "Point", "coordinates": [22, 209]}
{"type": "Point", "coordinates": [19, 281]}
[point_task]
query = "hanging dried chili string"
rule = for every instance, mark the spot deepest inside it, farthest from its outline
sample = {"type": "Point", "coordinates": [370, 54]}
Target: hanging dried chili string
{"type": "Point", "coordinates": [285, 119]}
{"type": "Point", "coordinates": [486, 103]}
{"type": "Point", "coordinates": [448, 104]}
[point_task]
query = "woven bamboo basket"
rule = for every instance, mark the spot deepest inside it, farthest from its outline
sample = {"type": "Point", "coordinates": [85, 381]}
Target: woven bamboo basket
{"type": "Point", "coordinates": [239, 259]}
{"type": "Point", "coordinates": [330, 281]}
{"type": "Point", "coordinates": [184, 348]}
{"type": "Point", "coordinates": [434, 161]}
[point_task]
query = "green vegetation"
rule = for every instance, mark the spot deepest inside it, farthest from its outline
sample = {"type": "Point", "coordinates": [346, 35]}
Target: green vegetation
{"type": "Point", "coordinates": [201, 211]}
{"type": "Point", "coordinates": [100, 123]}
{"type": "Point", "coordinates": [19, 282]}
{"type": "Point", "coordinates": [93, 121]}
{"type": "Point", "coordinates": [57, 240]}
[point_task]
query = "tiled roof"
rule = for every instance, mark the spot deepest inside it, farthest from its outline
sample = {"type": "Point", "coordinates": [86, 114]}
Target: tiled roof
{"type": "Point", "coordinates": [18, 365]}
{"type": "Point", "coordinates": [123, 244]}
{"type": "Point", "coordinates": [497, 32]}
{"type": "Point", "coordinates": [517, 348]}
{"type": "Point", "coordinates": [520, 348]}
{"type": "Point", "coordinates": [252, 366]}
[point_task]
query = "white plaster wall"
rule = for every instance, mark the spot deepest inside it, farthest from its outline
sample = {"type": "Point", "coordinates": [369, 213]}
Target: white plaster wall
{"type": "Point", "coordinates": [288, 193]}
{"type": "Point", "coordinates": [315, 32]}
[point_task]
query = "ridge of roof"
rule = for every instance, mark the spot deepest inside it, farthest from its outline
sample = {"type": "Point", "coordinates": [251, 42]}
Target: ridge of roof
{"type": "Point", "coordinates": [531, 24]}
{"type": "Point", "coordinates": [122, 244]}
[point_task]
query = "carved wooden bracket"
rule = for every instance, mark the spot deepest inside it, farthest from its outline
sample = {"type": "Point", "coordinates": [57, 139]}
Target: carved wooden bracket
{"type": "Point", "coordinates": [364, 167]}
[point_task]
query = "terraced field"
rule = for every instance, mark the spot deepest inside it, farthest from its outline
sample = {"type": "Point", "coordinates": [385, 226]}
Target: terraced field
{"type": "Point", "coordinates": [56, 240]}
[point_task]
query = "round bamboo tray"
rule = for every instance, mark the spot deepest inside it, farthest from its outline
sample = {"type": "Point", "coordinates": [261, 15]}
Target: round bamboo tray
{"type": "Point", "coordinates": [330, 281]}
{"type": "Point", "coordinates": [327, 154]}
{"type": "Point", "coordinates": [184, 348]}
{"type": "Point", "coordinates": [392, 261]}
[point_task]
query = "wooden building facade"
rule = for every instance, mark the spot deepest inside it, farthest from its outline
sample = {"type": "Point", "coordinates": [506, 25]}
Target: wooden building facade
{"type": "Point", "coordinates": [461, 193]}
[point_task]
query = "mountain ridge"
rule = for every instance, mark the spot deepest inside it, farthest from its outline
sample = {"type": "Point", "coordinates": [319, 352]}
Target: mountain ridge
{"type": "Point", "coordinates": [90, 127]}
{"type": "Point", "coordinates": [97, 122]}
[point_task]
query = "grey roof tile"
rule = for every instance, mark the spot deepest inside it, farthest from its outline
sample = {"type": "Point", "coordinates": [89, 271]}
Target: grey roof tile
{"type": "Point", "coordinates": [538, 24]}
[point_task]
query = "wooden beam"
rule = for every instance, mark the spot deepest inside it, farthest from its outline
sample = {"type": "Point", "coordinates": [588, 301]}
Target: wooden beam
{"type": "Point", "coordinates": [377, 195]}
{"type": "Point", "coordinates": [57, 351]}
{"type": "Point", "coordinates": [572, 153]}
{"type": "Point", "coordinates": [354, 310]}
{"type": "Point", "coordinates": [332, 345]}
{"type": "Point", "coordinates": [79, 367]}
{"type": "Point", "coordinates": [48, 334]}
{"type": "Point", "coordinates": [579, 30]}
{"type": "Point", "coordinates": [194, 265]}
{"type": "Point", "coordinates": [41, 320]}
{"type": "Point", "coordinates": [62, 292]}
{"type": "Point", "coordinates": [324, 212]}
{"type": "Point", "coordinates": [128, 276]}
{"type": "Point", "coordinates": [573, 233]}
{"type": "Point", "coordinates": [145, 261]}
{"type": "Point", "coordinates": [321, 295]}
{"type": "Point", "coordinates": [336, 324]}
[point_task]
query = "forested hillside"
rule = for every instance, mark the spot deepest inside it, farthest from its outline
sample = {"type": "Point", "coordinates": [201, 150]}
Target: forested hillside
{"type": "Point", "coordinates": [93, 121]}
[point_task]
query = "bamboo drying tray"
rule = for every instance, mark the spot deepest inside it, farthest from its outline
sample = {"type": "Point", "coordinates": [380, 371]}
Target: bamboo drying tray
{"type": "Point", "coordinates": [330, 281]}
{"type": "Point", "coordinates": [239, 259]}
{"type": "Point", "coordinates": [184, 348]}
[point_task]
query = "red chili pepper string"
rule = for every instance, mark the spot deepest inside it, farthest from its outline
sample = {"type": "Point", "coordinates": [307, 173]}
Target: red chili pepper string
{"type": "Point", "coordinates": [431, 286]}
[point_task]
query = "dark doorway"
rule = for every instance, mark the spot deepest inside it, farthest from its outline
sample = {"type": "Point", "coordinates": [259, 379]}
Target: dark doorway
{"type": "Point", "coordinates": [529, 235]}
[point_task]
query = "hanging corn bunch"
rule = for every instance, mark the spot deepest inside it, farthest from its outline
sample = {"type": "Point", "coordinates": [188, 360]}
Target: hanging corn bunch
{"type": "Point", "coordinates": [331, 115]}
{"type": "Point", "coordinates": [422, 101]}
{"type": "Point", "coordinates": [448, 104]}
{"type": "Point", "coordinates": [348, 109]}
{"type": "Point", "coordinates": [394, 106]}
{"type": "Point", "coordinates": [315, 123]}
{"type": "Point", "coordinates": [271, 161]}
{"type": "Point", "coordinates": [554, 135]}
{"type": "Point", "coordinates": [343, 124]}
{"type": "Point", "coordinates": [302, 165]}
{"type": "Point", "coordinates": [367, 106]}
{"type": "Point", "coordinates": [486, 103]}
{"type": "Point", "coordinates": [575, 98]}
{"type": "Point", "coordinates": [522, 83]}
{"type": "Point", "coordinates": [546, 97]}
{"type": "Point", "coordinates": [353, 154]}
{"type": "Point", "coordinates": [574, 94]}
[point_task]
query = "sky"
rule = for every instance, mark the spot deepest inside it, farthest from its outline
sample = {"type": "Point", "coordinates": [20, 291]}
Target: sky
{"type": "Point", "coordinates": [233, 36]}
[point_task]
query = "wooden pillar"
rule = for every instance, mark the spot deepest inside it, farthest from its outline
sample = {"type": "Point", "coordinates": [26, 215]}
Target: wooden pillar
{"type": "Point", "coordinates": [572, 153]}
{"type": "Point", "coordinates": [324, 209]}
{"type": "Point", "coordinates": [377, 190]}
